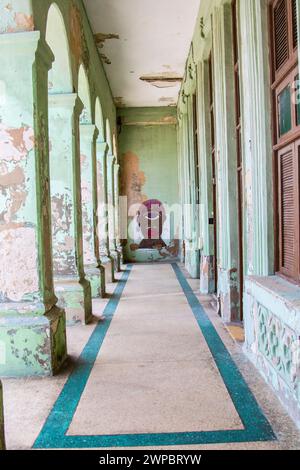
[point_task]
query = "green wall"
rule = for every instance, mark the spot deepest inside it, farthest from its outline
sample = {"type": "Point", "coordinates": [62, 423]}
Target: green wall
{"type": "Point", "coordinates": [149, 169]}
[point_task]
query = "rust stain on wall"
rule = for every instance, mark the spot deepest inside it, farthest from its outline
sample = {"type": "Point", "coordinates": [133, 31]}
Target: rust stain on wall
{"type": "Point", "coordinates": [21, 22]}
{"type": "Point", "coordinates": [78, 43]}
{"type": "Point", "coordinates": [133, 179]}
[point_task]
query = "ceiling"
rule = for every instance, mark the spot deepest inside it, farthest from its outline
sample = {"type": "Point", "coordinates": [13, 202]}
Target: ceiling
{"type": "Point", "coordinates": [144, 46]}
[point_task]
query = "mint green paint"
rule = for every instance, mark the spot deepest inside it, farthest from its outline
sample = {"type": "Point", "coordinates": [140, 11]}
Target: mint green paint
{"type": "Point", "coordinates": [26, 283]}
{"type": "Point", "coordinates": [32, 345]}
{"type": "Point", "coordinates": [88, 136]}
{"type": "Point", "coordinates": [27, 287]}
{"type": "Point", "coordinates": [106, 259]}
{"type": "Point", "coordinates": [150, 135]}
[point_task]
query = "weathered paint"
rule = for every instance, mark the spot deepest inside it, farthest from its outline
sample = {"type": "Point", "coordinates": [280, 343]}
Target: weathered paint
{"type": "Point", "coordinates": [111, 201]}
{"type": "Point", "coordinates": [31, 343]}
{"type": "Point", "coordinates": [148, 159]}
{"type": "Point", "coordinates": [16, 16]}
{"type": "Point", "coordinates": [71, 287]}
{"type": "Point", "coordinates": [103, 235]}
{"type": "Point", "coordinates": [271, 304]}
{"type": "Point", "coordinates": [27, 289]}
{"type": "Point", "coordinates": [272, 325]}
{"type": "Point", "coordinates": [94, 273]}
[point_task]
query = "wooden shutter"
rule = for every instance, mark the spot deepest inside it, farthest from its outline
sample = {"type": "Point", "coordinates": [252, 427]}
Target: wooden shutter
{"type": "Point", "coordinates": [295, 23]}
{"type": "Point", "coordinates": [287, 209]}
{"type": "Point", "coordinates": [281, 35]}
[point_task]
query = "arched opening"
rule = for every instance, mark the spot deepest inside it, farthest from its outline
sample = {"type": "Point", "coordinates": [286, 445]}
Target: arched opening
{"type": "Point", "coordinates": [60, 77]}
{"type": "Point", "coordinates": [88, 136]}
{"type": "Point", "coordinates": [108, 137]}
{"type": "Point", "coordinates": [99, 120]}
{"type": "Point", "coordinates": [111, 197]}
{"type": "Point", "coordinates": [63, 166]}
{"type": "Point", "coordinates": [84, 95]}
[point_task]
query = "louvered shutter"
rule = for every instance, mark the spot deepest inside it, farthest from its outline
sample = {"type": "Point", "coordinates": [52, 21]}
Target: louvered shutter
{"type": "Point", "coordinates": [287, 209]}
{"type": "Point", "coordinates": [295, 25]}
{"type": "Point", "coordinates": [281, 36]}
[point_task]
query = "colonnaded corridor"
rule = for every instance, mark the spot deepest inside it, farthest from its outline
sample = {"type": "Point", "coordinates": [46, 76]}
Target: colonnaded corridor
{"type": "Point", "coordinates": [159, 369]}
{"type": "Point", "coordinates": [149, 224]}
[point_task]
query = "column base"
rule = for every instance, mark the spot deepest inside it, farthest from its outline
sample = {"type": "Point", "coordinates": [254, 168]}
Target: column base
{"type": "Point", "coordinates": [192, 262]}
{"type": "Point", "coordinates": [96, 277]}
{"type": "Point", "coordinates": [117, 260]}
{"type": "Point", "coordinates": [32, 345]}
{"type": "Point", "coordinates": [207, 274]}
{"type": "Point", "coordinates": [108, 265]}
{"type": "Point", "coordinates": [75, 298]}
{"type": "Point", "coordinates": [121, 253]}
{"type": "Point", "coordinates": [2, 438]}
{"type": "Point", "coordinates": [228, 293]}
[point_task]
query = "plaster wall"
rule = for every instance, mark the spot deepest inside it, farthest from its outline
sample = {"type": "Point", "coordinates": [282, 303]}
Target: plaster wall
{"type": "Point", "coordinates": [149, 171]}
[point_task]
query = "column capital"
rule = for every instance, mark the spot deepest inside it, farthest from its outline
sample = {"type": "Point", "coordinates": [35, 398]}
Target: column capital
{"type": "Point", "coordinates": [102, 147]}
{"type": "Point", "coordinates": [88, 131]}
{"type": "Point", "coordinates": [31, 43]}
{"type": "Point", "coordinates": [62, 100]}
{"type": "Point", "coordinates": [111, 159]}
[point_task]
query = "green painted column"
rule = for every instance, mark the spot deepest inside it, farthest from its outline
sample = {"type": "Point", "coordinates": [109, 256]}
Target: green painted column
{"type": "Point", "coordinates": [226, 151]}
{"type": "Point", "coordinates": [92, 267]}
{"type": "Point", "coordinates": [71, 287]}
{"type": "Point", "coordinates": [105, 257]}
{"type": "Point", "coordinates": [207, 275]}
{"type": "Point", "coordinates": [2, 437]}
{"type": "Point", "coordinates": [32, 327]}
{"type": "Point", "coordinates": [111, 211]}
{"type": "Point", "coordinates": [189, 233]}
{"type": "Point", "coordinates": [117, 211]}
{"type": "Point", "coordinates": [257, 138]}
{"type": "Point", "coordinates": [192, 252]}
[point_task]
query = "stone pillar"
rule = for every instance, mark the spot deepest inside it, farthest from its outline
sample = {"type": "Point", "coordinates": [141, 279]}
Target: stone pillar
{"type": "Point", "coordinates": [94, 272]}
{"type": "Point", "coordinates": [117, 212]}
{"type": "Point", "coordinates": [111, 212]}
{"type": "Point", "coordinates": [207, 273]}
{"type": "Point", "coordinates": [32, 327]}
{"type": "Point", "coordinates": [228, 285]}
{"type": "Point", "coordinates": [71, 286]}
{"type": "Point", "coordinates": [103, 234]}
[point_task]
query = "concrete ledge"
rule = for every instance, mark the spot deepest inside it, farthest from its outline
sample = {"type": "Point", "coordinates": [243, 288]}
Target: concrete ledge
{"type": "Point", "coordinates": [272, 329]}
{"type": "Point", "coordinates": [2, 439]}
{"type": "Point", "coordinates": [33, 345]}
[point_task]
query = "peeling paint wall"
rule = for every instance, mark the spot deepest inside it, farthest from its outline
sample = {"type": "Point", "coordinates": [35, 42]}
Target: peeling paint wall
{"type": "Point", "coordinates": [16, 16]}
{"type": "Point", "coordinates": [149, 172]}
{"type": "Point", "coordinates": [32, 327]}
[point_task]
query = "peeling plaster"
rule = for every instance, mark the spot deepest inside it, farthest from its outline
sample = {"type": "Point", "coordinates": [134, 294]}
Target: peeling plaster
{"type": "Point", "coordinates": [162, 80]}
{"type": "Point", "coordinates": [18, 254]}
{"type": "Point", "coordinates": [78, 44]}
{"type": "Point", "coordinates": [100, 38]}
{"type": "Point", "coordinates": [133, 179]}
{"type": "Point", "coordinates": [15, 21]}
